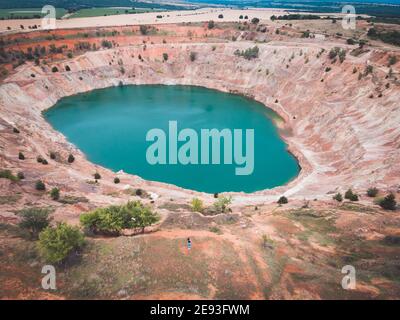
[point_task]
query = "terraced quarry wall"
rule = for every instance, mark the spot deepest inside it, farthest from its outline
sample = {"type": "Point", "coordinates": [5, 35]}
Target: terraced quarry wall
{"type": "Point", "coordinates": [343, 130]}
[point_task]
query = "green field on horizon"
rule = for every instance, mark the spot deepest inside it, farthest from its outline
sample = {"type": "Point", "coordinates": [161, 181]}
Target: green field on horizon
{"type": "Point", "coordinates": [96, 12]}
{"type": "Point", "coordinates": [27, 13]}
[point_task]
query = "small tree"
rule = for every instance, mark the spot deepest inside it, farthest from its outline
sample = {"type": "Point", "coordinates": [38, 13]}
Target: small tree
{"type": "Point", "coordinates": [221, 205]}
{"type": "Point", "coordinates": [7, 174]}
{"type": "Point", "coordinates": [193, 56]}
{"type": "Point", "coordinates": [55, 193]}
{"type": "Point", "coordinates": [350, 195]}
{"type": "Point", "coordinates": [111, 220]}
{"type": "Point", "coordinates": [116, 180]}
{"type": "Point", "coordinates": [255, 20]}
{"type": "Point", "coordinates": [197, 205]}
{"type": "Point", "coordinates": [165, 56]}
{"type": "Point", "coordinates": [40, 186]}
{"type": "Point", "coordinates": [211, 24]}
{"type": "Point", "coordinates": [54, 69]}
{"type": "Point", "coordinates": [21, 156]}
{"type": "Point", "coordinates": [372, 192]}
{"type": "Point", "coordinates": [34, 220]}
{"type": "Point", "coordinates": [221, 16]}
{"type": "Point", "coordinates": [71, 158]}
{"type": "Point", "coordinates": [56, 244]}
{"type": "Point", "coordinates": [52, 155]}
{"type": "Point", "coordinates": [392, 60]}
{"type": "Point", "coordinates": [338, 197]}
{"type": "Point", "coordinates": [389, 202]}
{"type": "Point", "coordinates": [283, 200]}
{"type": "Point", "coordinates": [97, 176]}
{"type": "Point", "coordinates": [143, 29]}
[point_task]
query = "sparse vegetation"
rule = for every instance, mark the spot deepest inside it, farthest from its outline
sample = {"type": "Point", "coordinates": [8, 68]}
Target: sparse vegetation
{"type": "Point", "coordinates": [250, 53]}
{"type": "Point", "coordinates": [350, 195]}
{"type": "Point", "coordinates": [197, 205]}
{"type": "Point", "coordinates": [372, 192]}
{"type": "Point", "coordinates": [40, 186]}
{"type": "Point", "coordinates": [34, 220]}
{"type": "Point", "coordinates": [282, 200]}
{"type": "Point", "coordinates": [97, 176]}
{"type": "Point", "coordinates": [222, 204]}
{"type": "Point", "coordinates": [7, 174]}
{"type": "Point", "coordinates": [193, 56]}
{"type": "Point", "coordinates": [338, 197]}
{"type": "Point", "coordinates": [388, 202]}
{"type": "Point", "coordinates": [55, 193]}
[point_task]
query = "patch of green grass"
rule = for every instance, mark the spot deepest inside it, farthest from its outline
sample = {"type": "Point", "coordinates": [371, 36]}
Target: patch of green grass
{"type": "Point", "coordinates": [215, 230]}
{"type": "Point", "coordinates": [10, 199]}
{"type": "Point", "coordinates": [27, 13]}
{"type": "Point", "coordinates": [68, 199]}
{"type": "Point", "coordinates": [96, 12]}
{"type": "Point", "coordinates": [356, 207]}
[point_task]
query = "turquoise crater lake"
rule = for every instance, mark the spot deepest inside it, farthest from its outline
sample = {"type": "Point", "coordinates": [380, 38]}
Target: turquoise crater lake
{"type": "Point", "coordinates": [110, 127]}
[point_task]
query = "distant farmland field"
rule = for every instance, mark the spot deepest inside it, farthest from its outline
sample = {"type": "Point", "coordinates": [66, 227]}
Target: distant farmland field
{"type": "Point", "coordinates": [95, 12]}
{"type": "Point", "coordinates": [27, 13]}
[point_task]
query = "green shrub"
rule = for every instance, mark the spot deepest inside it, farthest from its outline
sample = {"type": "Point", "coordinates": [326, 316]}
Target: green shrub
{"type": "Point", "coordinates": [34, 220]}
{"type": "Point", "coordinates": [283, 200]}
{"type": "Point", "coordinates": [97, 176]}
{"type": "Point", "coordinates": [221, 205]}
{"type": "Point", "coordinates": [71, 158]}
{"type": "Point", "coordinates": [165, 56]}
{"type": "Point", "coordinates": [15, 130]}
{"type": "Point", "coordinates": [350, 195]}
{"type": "Point", "coordinates": [197, 205]}
{"type": "Point", "coordinates": [55, 193]}
{"type": "Point", "coordinates": [221, 16]}
{"type": "Point", "coordinates": [54, 69]}
{"type": "Point", "coordinates": [255, 20]}
{"type": "Point", "coordinates": [193, 56]}
{"type": "Point", "coordinates": [7, 174]}
{"type": "Point", "coordinates": [20, 175]}
{"type": "Point", "coordinates": [117, 180]}
{"type": "Point", "coordinates": [392, 60]}
{"type": "Point", "coordinates": [56, 244]}
{"type": "Point", "coordinates": [250, 53]}
{"type": "Point", "coordinates": [143, 29]}
{"type": "Point", "coordinates": [211, 24]}
{"type": "Point", "coordinates": [338, 197]}
{"type": "Point", "coordinates": [52, 155]}
{"type": "Point", "coordinates": [40, 185]}
{"type": "Point", "coordinates": [111, 220]}
{"type": "Point", "coordinates": [368, 69]}
{"type": "Point", "coordinates": [389, 202]}
{"type": "Point", "coordinates": [372, 192]}
{"type": "Point", "coordinates": [67, 68]}
{"type": "Point", "coordinates": [39, 159]}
